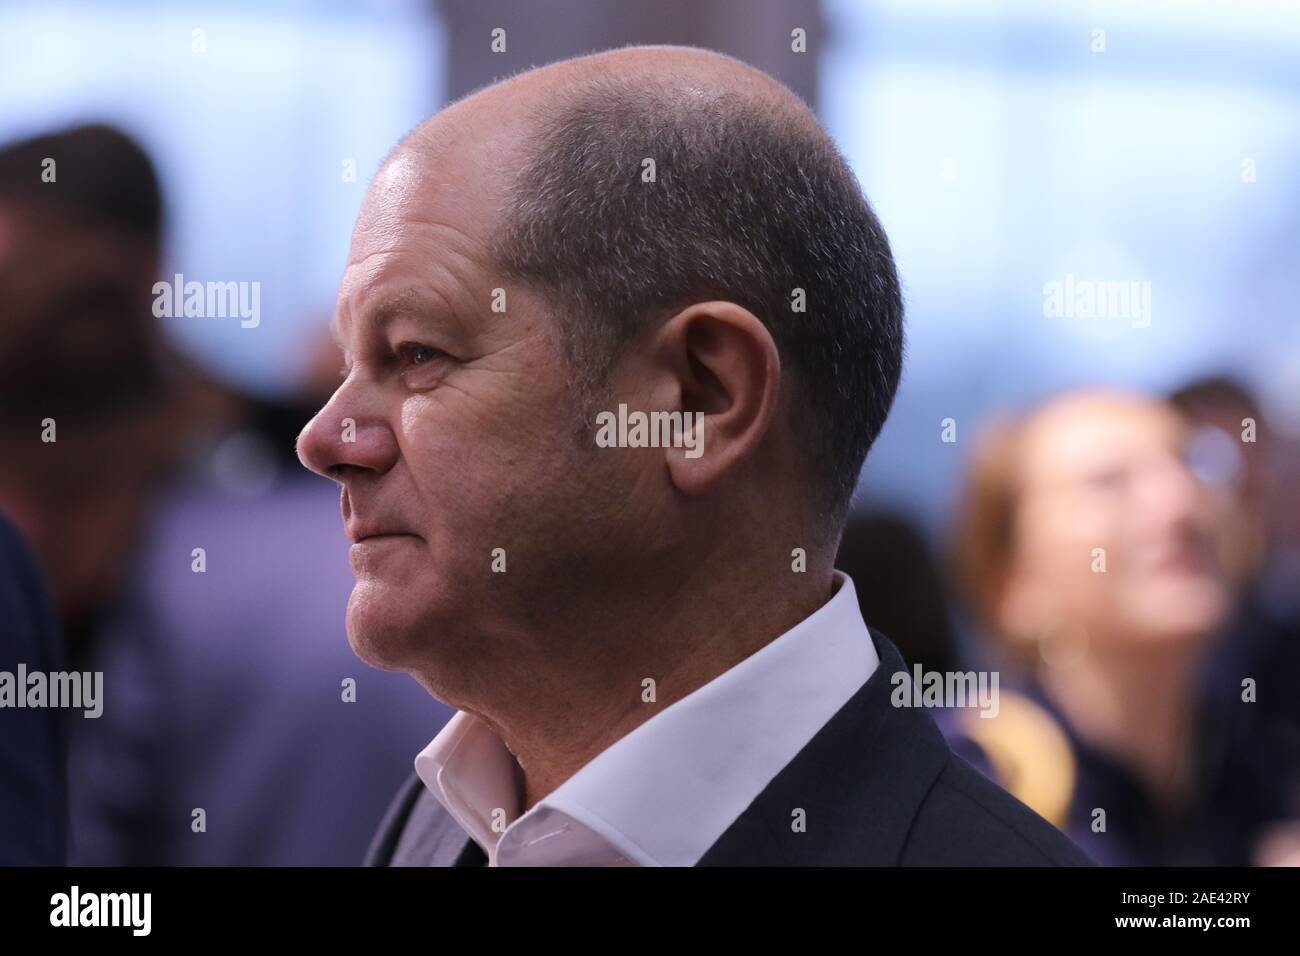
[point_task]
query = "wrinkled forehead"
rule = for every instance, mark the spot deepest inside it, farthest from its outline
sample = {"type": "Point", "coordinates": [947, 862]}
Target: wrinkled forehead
{"type": "Point", "coordinates": [417, 187]}
{"type": "Point", "coordinates": [425, 228]}
{"type": "Point", "coordinates": [454, 172]}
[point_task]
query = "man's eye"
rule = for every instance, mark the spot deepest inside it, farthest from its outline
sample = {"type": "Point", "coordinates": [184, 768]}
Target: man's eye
{"type": "Point", "coordinates": [412, 353]}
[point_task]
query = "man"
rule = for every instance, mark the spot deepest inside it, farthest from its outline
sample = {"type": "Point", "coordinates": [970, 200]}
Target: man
{"type": "Point", "coordinates": [85, 370]}
{"type": "Point", "coordinates": [136, 480]}
{"type": "Point", "coordinates": [653, 659]}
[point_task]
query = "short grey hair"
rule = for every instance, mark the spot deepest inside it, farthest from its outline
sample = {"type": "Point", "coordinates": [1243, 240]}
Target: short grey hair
{"type": "Point", "coordinates": [751, 202]}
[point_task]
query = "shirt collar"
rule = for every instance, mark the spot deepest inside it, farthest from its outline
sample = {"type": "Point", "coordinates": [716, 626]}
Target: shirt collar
{"type": "Point", "coordinates": [665, 792]}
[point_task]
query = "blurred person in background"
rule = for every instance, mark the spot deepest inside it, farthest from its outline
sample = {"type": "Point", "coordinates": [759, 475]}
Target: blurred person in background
{"type": "Point", "coordinates": [1087, 547]}
{"type": "Point", "coordinates": [33, 778]}
{"type": "Point", "coordinates": [1240, 454]}
{"type": "Point", "coordinates": [229, 684]}
{"type": "Point", "coordinates": [238, 693]}
{"type": "Point", "coordinates": [94, 407]}
{"type": "Point", "coordinates": [233, 690]}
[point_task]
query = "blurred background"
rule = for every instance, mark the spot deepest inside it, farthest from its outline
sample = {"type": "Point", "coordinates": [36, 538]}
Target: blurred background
{"type": "Point", "coordinates": [1010, 148]}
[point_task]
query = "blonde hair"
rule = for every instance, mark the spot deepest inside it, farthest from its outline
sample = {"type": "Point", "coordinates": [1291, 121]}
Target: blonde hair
{"type": "Point", "coordinates": [984, 529]}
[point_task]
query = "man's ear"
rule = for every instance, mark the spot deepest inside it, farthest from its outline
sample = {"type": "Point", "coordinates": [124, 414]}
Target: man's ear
{"type": "Point", "coordinates": [724, 366]}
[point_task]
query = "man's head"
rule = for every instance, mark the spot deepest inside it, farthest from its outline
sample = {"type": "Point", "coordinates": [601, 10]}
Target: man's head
{"type": "Point", "coordinates": [517, 268]}
{"type": "Point", "coordinates": [80, 244]}
{"type": "Point", "coordinates": [81, 223]}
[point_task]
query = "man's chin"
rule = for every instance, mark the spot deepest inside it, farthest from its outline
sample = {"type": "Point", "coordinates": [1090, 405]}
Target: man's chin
{"type": "Point", "coordinates": [378, 632]}
{"type": "Point", "coordinates": [374, 653]}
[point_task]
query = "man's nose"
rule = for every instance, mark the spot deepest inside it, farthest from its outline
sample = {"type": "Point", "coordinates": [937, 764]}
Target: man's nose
{"type": "Point", "coordinates": [344, 436]}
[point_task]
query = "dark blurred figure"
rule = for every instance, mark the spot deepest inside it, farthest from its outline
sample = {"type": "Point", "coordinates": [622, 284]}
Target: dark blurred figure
{"type": "Point", "coordinates": [228, 685]}
{"type": "Point", "coordinates": [1262, 639]}
{"type": "Point", "coordinates": [900, 587]}
{"type": "Point", "coordinates": [83, 362]}
{"type": "Point", "coordinates": [33, 787]}
{"type": "Point", "coordinates": [1087, 547]}
{"type": "Point", "coordinates": [224, 688]}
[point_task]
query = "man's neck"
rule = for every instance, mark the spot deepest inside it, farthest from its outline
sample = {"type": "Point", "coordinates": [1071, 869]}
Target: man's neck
{"type": "Point", "coordinates": [556, 715]}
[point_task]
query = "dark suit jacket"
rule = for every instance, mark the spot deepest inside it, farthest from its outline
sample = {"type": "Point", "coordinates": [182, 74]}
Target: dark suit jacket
{"type": "Point", "coordinates": [33, 784]}
{"type": "Point", "coordinates": [879, 785]}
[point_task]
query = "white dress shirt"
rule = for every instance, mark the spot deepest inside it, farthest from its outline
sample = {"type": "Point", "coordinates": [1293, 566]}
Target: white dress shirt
{"type": "Point", "coordinates": [665, 792]}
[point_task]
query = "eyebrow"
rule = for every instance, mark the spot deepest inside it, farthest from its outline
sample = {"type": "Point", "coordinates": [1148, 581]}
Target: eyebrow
{"type": "Point", "coordinates": [389, 308]}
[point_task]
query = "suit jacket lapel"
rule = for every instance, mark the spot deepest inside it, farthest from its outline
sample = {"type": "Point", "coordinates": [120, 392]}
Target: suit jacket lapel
{"type": "Point", "coordinates": [417, 831]}
{"type": "Point", "coordinates": [859, 782]}
{"type": "Point", "coordinates": [434, 838]}
{"type": "Point", "coordinates": [471, 854]}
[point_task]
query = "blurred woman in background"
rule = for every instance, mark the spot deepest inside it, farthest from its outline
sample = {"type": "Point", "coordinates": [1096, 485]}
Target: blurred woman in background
{"type": "Point", "coordinates": [1089, 550]}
